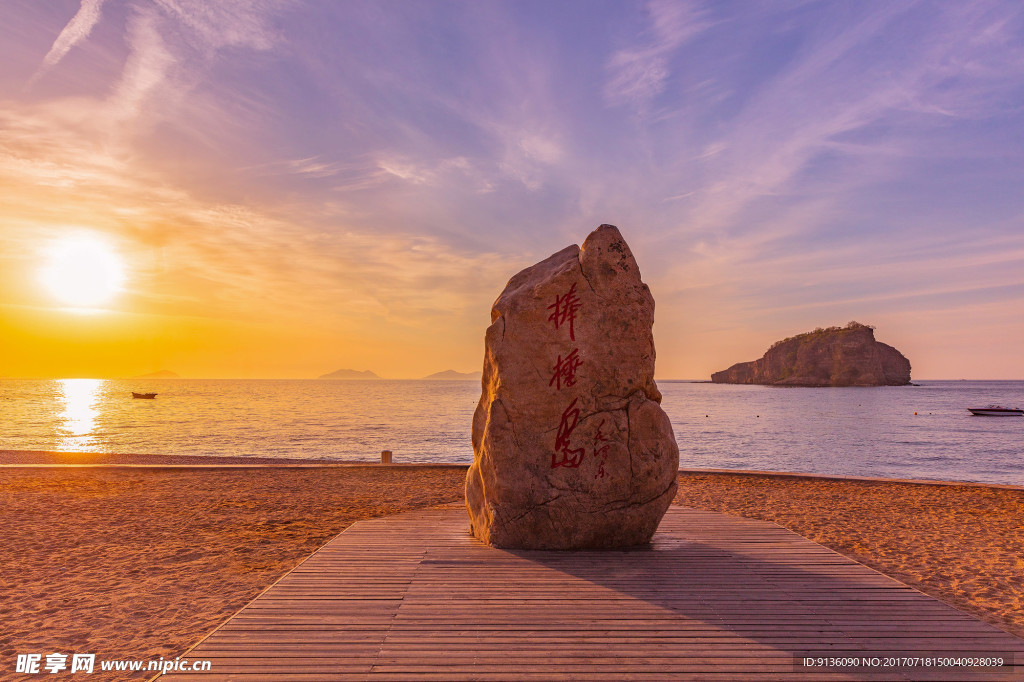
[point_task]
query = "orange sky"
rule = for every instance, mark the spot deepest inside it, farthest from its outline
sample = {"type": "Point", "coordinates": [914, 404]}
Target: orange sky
{"type": "Point", "coordinates": [296, 189]}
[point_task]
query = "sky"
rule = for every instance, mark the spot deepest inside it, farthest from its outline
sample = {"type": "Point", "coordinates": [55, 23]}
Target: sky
{"type": "Point", "coordinates": [298, 187]}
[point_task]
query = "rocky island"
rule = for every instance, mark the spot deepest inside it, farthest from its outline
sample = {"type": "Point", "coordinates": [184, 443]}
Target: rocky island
{"type": "Point", "coordinates": [349, 374]}
{"type": "Point", "coordinates": [836, 356]}
{"type": "Point", "coordinates": [452, 375]}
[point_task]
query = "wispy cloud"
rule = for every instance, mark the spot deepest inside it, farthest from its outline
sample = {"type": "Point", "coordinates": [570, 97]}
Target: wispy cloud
{"type": "Point", "coordinates": [171, 43]}
{"type": "Point", "coordinates": [823, 100]}
{"type": "Point", "coordinates": [638, 74]}
{"type": "Point", "coordinates": [314, 167]}
{"type": "Point", "coordinates": [146, 70]}
{"type": "Point", "coordinates": [228, 24]}
{"type": "Point", "coordinates": [76, 30]}
{"type": "Point", "coordinates": [197, 257]}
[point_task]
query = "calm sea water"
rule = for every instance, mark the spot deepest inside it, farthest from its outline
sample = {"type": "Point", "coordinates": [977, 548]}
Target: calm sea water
{"type": "Point", "coordinates": [841, 431]}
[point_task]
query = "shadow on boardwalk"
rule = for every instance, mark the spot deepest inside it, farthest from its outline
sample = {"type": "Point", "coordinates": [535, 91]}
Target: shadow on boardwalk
{"type": "Point", "coordinates": [413, 596]}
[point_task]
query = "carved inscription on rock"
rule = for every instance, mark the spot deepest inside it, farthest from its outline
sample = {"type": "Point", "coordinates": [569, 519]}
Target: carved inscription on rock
{"type": "Point", "coordinates": [571, 447]}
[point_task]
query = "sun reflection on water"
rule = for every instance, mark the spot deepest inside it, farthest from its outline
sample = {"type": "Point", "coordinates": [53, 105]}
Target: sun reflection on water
{"type": "Point", "coordinates": [80, 410]}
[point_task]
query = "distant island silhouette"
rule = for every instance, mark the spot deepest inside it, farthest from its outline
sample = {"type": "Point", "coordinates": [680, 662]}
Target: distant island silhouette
{"type": "Point", "coordinates": [452, 374]}
{"type": "Point", "coordinates": [349, 374]}
{"type": "Point", "coordinates": [446, 375]}
{"type": "Point", "coordinates": [162, 374]}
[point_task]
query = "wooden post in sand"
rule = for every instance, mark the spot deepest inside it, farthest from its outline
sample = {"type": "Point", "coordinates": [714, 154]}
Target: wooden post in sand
{"type": "Point", "coordinates": [385, 457]}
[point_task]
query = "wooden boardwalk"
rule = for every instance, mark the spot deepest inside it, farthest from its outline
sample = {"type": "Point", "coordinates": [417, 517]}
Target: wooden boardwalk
{"type": "Point", "coordinates": [715, 597]}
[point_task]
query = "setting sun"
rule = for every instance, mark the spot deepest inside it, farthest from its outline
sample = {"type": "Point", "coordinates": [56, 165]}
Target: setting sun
{"type": "Point", "coordinates": [83, 272]}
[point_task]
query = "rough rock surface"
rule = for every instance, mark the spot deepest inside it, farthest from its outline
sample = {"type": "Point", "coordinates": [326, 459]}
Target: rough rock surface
{"type": "Point", "coordinates": [571, 447]}
{"type": "Point", "coordinates": [837, 356]}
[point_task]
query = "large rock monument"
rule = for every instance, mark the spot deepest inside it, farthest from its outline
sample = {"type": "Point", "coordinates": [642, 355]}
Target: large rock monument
{"type": "Point", "coordinates": [571, 447]}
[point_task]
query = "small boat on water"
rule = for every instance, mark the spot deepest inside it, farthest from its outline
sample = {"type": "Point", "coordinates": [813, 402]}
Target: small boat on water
{"type": "Point", "coordinates": [144, 396]}
{"type": "Point", "coordinates": [996, 411]}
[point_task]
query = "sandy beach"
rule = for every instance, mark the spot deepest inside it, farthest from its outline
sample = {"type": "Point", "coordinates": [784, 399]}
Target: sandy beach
{"type": "Point", "coordinates": [963, 544]}
{"type": "Point", "coordinates": [141, 561]}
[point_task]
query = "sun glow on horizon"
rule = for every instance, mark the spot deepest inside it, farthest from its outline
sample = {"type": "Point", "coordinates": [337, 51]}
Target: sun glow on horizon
{"type": "Point", "coordinates": [83, 272]}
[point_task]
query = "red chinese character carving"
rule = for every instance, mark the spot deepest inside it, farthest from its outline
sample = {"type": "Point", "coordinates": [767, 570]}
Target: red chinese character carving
{"type": "Point", "coordinates": [570, 458]}
{"type": "Point", "coordinates": [565, 308]}
{"type": "Point", "coordinates": [565, 369]}
{"type": "Point", "coordinates": [602, 451]}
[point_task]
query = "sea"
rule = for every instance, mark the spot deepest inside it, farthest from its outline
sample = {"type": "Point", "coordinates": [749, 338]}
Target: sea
{"type": "Point", "coordinates": [915, 432]}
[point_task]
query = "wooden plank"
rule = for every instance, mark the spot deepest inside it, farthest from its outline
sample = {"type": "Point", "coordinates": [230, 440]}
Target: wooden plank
{"type": "Point", "coordinates": [714, 597]}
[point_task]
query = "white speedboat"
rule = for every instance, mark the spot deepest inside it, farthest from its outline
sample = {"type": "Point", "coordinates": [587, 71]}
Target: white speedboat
{"type": "Point", "coordinates": [996, 411]}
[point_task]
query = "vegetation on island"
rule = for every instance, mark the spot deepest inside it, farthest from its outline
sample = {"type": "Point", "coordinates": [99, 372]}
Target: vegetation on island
{"type": "Point", "coordinates": [852, 325]}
